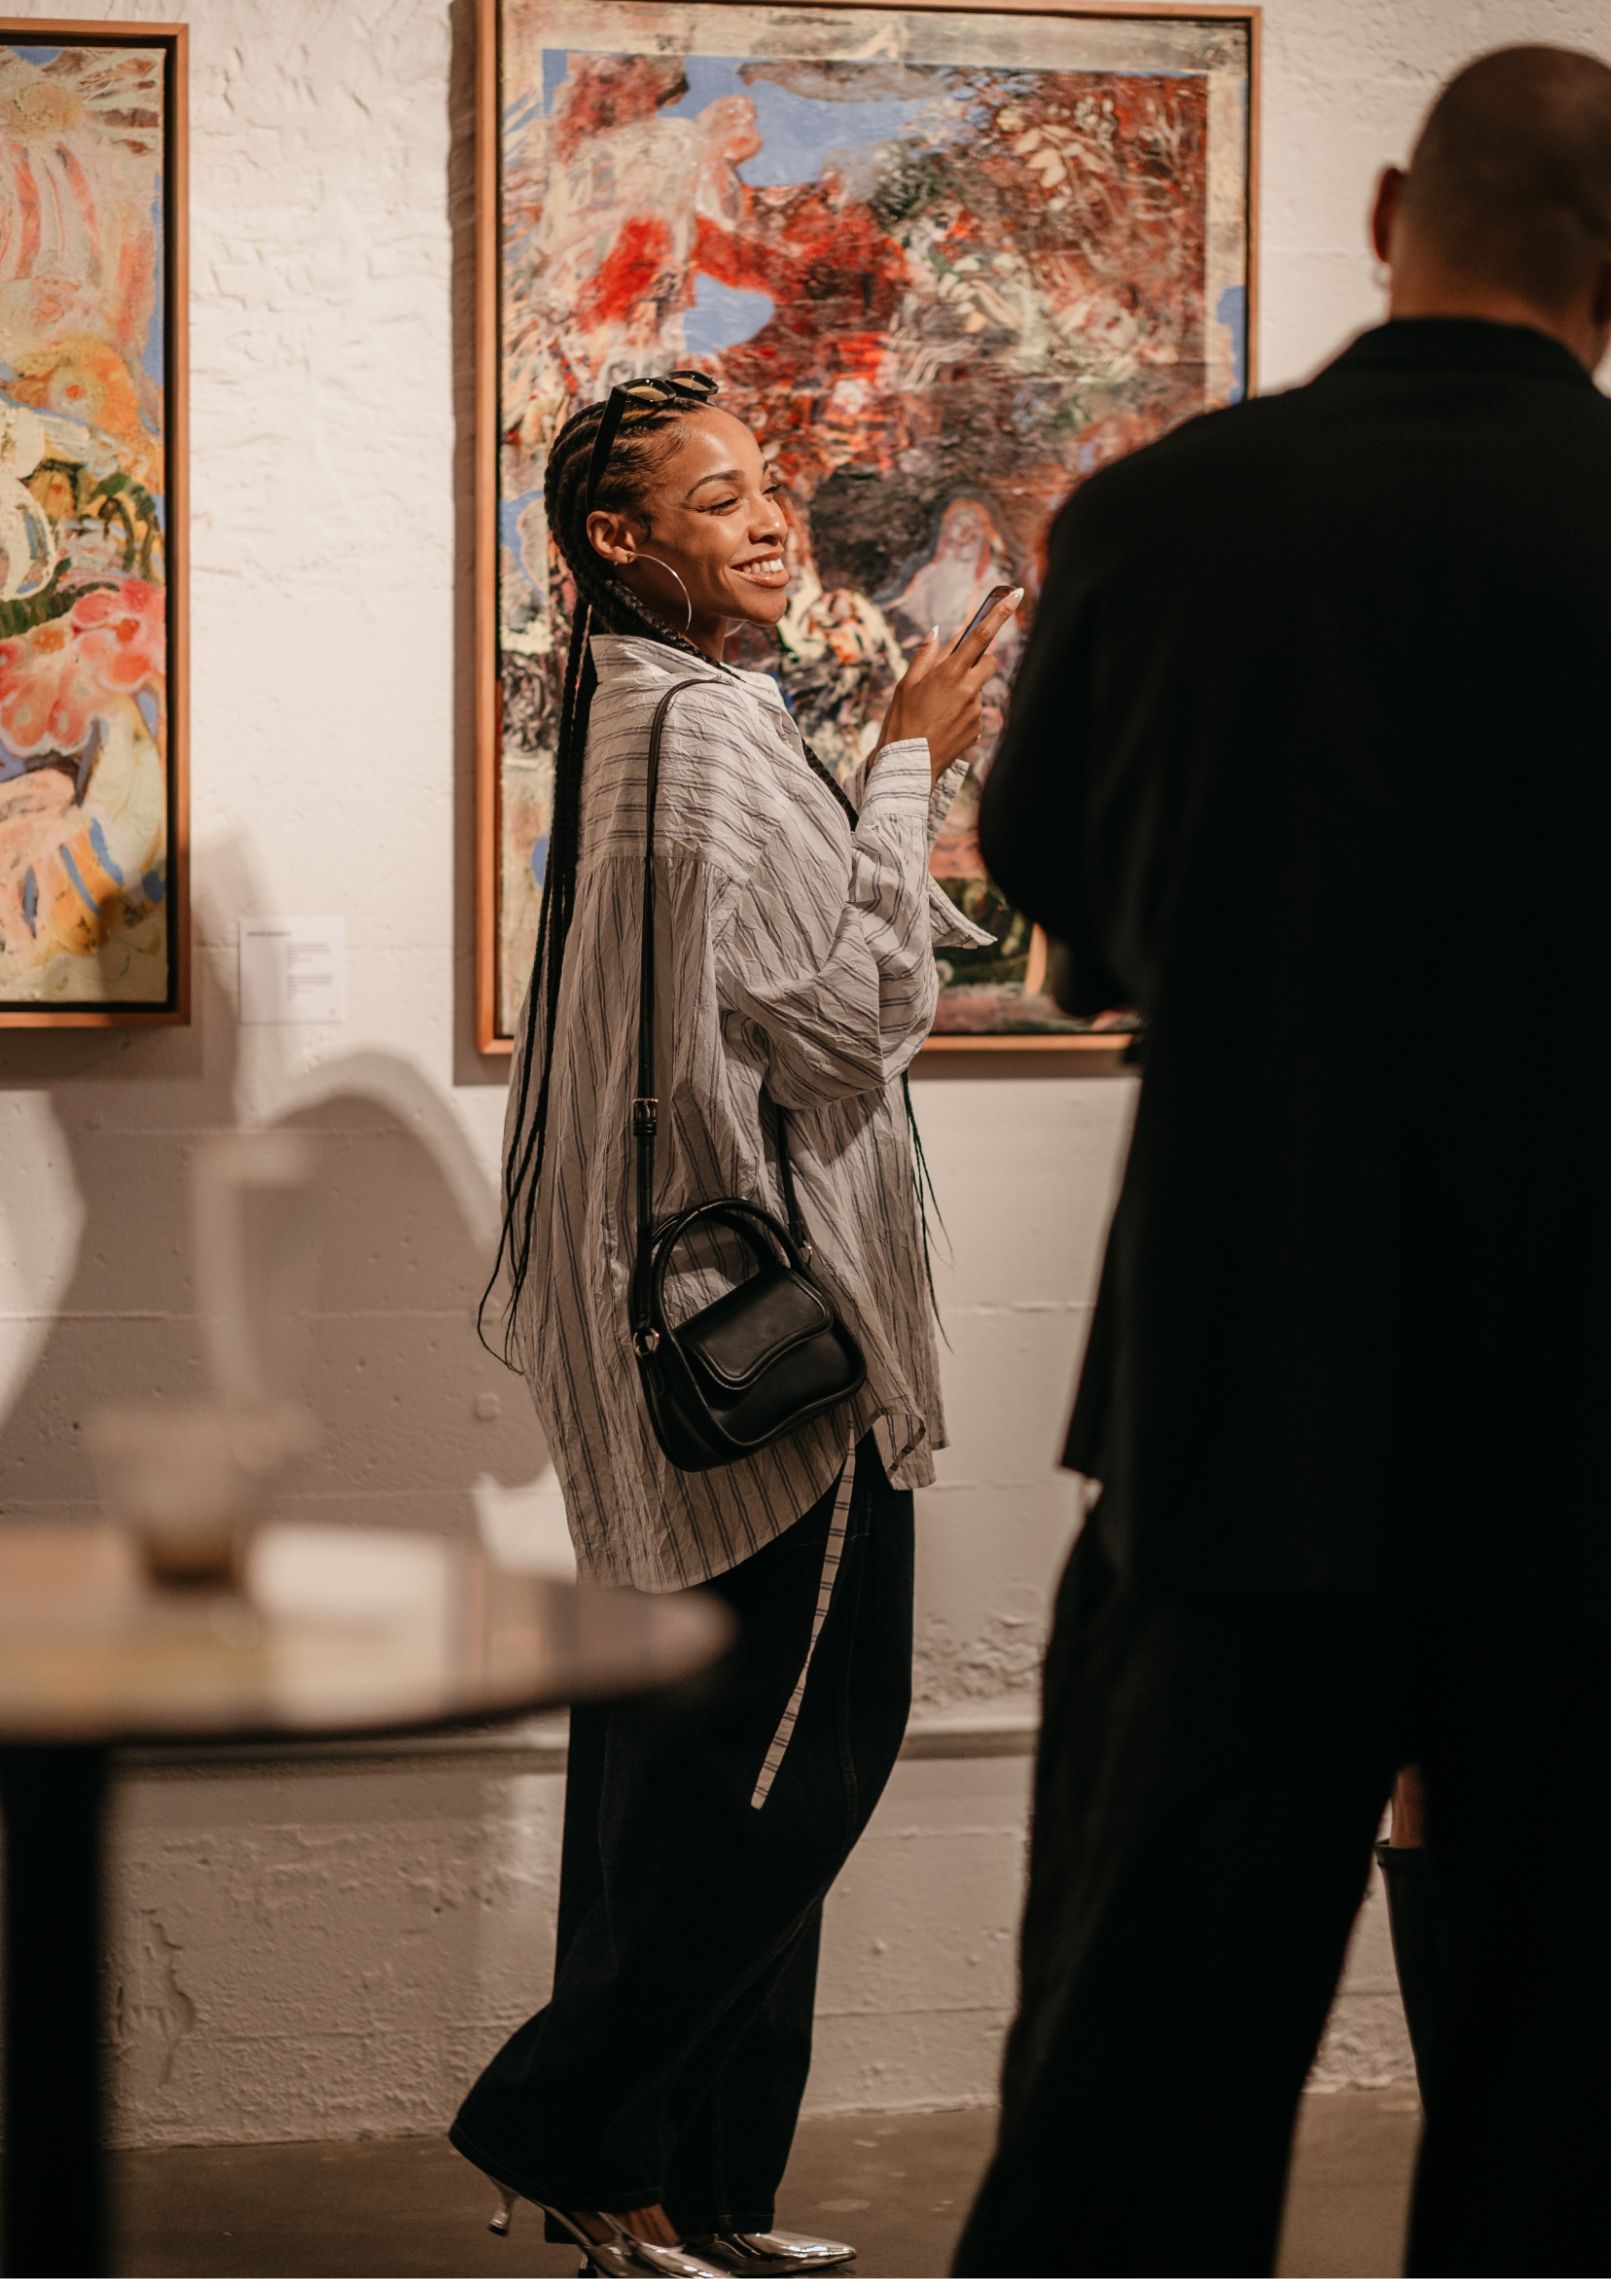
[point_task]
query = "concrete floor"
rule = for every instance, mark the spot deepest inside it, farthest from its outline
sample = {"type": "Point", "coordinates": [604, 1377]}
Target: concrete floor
{"type": "Point", "coordinates": [897, 2184]}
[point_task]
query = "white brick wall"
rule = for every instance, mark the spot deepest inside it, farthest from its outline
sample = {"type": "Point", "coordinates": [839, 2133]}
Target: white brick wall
{"type": "Point", "coordinates": [327, 1952]}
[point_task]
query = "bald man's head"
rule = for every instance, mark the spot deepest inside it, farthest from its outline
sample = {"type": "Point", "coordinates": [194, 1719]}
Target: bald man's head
{"type": "Point", "coordinates": [1505, 207]}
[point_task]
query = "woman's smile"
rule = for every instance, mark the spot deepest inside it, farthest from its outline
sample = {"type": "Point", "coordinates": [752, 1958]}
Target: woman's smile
{"type": "Point", "coordinates": [769, 570]}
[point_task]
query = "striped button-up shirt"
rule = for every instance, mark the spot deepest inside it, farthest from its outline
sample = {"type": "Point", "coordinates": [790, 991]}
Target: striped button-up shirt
{"type": "Point", "coordinates": [794, 964]}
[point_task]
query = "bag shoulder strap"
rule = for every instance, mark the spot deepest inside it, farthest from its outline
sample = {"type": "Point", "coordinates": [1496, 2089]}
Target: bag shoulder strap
{"type": "Point", "coordinates": [646, 1104]}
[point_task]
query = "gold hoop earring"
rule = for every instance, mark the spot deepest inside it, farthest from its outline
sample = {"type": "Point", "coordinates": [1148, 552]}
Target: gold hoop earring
{"type": "Point", "coordinates": [687, 597]}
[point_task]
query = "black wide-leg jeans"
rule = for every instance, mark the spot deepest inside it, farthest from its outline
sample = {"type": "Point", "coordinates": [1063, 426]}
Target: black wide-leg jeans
{"type": "Point", "coordinates": [671, 2059]}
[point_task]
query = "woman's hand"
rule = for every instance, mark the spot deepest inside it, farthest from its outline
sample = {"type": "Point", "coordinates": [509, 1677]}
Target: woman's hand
{"type": "Point", "coordinates": [941, 696]}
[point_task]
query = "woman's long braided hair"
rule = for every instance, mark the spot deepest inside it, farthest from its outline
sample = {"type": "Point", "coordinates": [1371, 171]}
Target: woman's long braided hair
{"type": "Point", "coordinates": [602, 603]}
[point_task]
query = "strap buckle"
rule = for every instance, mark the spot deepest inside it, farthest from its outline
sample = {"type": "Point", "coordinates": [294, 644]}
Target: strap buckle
{"type": "Point", "coordinates": [645, 1116]}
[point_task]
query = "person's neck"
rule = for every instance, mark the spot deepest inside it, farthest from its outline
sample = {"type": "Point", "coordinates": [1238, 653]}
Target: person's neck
{"type": "Point", "coordinates": [709, 637]}
{"type": "Point", "coordinates": [1451, 296]}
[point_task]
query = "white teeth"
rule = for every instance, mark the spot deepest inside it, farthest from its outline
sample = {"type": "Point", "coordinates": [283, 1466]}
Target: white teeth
{"type": "Point", "coordinates": [766, 569]}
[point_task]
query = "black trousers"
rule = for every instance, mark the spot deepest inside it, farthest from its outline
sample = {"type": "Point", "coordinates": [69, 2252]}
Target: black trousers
{"type": "Point", "coordinates": [671, 2059]}
{"type": "Point", "coordinates": [1211, 1778]}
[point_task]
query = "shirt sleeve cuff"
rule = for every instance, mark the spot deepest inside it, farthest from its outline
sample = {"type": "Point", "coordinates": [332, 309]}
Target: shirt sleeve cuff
{"type": "Point", "coordinates": [948, 928]}
{"type": "Point", "coordinates": [898, 778]}
{"type": "Point", "coordinates": [943, 797]}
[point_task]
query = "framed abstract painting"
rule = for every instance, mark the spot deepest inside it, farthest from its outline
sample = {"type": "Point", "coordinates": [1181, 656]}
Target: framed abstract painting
{"type": "Point", "coordinates": [945, 261]}
{"type": "Point", "coordinates": [93, 903]}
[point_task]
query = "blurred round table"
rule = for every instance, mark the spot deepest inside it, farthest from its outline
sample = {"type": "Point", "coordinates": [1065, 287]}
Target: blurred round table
{"type": "Point", "coordinates": [335, 1634]}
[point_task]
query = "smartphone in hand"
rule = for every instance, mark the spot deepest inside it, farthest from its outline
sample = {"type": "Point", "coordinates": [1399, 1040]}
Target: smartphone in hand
{"type": "Point", "coordinates": [996, 593]}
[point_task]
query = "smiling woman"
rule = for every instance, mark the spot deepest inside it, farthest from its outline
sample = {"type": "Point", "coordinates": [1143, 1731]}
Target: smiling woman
{"type": "Point", "coordinates": [795, 979]}
{"type": "Point", "coordinates": [721, 535]}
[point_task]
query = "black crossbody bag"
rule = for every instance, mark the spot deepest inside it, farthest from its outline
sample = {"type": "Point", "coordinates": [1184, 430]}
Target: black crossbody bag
{"type": "Point", "coordinates": [768, 1355]}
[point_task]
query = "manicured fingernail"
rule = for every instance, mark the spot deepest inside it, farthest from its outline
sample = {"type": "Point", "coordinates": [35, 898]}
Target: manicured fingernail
{"type": "Point", "coordinates": [1015, 597]}
{"type": "Point", "coordinates": [933, 634]}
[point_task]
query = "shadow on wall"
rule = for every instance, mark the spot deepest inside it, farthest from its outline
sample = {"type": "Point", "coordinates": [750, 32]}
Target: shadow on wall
{"type": "Point", "coordinates": [333, 1951]}
{"type": "Point", "coordinates": [420, 1425]}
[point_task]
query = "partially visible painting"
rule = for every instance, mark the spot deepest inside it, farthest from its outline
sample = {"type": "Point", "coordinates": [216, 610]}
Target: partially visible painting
{"type": "Point", "coordinates": [92, 811]}
{"type": "Point", "coordinates": [946, 262]}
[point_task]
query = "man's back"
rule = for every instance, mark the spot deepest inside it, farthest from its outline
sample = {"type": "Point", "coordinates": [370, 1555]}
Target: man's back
{"type": "Point", "coordinates": [1316, 701]}
{"type": "Point", "coordinates": [1305, 763]}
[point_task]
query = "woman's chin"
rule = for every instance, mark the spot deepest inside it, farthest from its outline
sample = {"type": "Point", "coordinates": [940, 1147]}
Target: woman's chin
{"type": "Point", "coordinates": [762, 605]}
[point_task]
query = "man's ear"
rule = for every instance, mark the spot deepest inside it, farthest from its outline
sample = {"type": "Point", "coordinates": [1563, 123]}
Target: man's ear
{"type": "Point", "coordinates": [1384, 212]}
{"type": "Point", "coordinates": [612, 536]}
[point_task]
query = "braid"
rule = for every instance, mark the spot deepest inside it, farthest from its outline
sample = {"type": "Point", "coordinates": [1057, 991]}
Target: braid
{"type": "Point", "coordinates": [617, 608]}
{"type": "Point", "coordinates": [602, 603]}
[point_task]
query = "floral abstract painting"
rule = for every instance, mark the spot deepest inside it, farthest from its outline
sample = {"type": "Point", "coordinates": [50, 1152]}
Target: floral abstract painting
{"type": "Point", "coordinates": [91, 779]}
{"type": "Point", "coordinates": [946, 263]}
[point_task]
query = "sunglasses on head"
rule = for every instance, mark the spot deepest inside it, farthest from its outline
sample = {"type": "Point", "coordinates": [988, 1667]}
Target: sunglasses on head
{"type": "Point", "coordinates": [657, 388]}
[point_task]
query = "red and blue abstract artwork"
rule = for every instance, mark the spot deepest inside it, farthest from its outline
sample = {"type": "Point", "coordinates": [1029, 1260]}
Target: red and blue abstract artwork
{"type": "Point", "coordinates": [945, 263]}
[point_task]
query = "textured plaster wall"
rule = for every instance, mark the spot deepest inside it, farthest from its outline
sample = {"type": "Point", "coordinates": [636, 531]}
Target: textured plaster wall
{"type": "Point", "coordinates": [337, 1955]}
{"type": "Point", "coordinates": [326, 1952]}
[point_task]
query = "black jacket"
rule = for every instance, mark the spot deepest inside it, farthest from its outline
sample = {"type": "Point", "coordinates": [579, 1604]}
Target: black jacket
{"type": "Point", "coordinates": [1310, 763]}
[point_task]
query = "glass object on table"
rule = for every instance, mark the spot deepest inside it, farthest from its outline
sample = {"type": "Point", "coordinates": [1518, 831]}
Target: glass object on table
{"type": "Point", "coordinates": [189, 1482]}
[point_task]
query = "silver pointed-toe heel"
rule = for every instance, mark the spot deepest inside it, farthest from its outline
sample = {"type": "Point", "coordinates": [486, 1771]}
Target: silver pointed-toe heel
{"type": "Point", "coordinates": [622, 2256]}
{"type": "Point", "coordinates": [643, 2255]}
{"type": "Point", "coordinates": [765, 2253]}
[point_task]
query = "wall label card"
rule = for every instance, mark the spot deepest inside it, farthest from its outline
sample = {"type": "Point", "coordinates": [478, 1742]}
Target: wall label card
{"type": "Point", "coordinates": [293, 969]}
